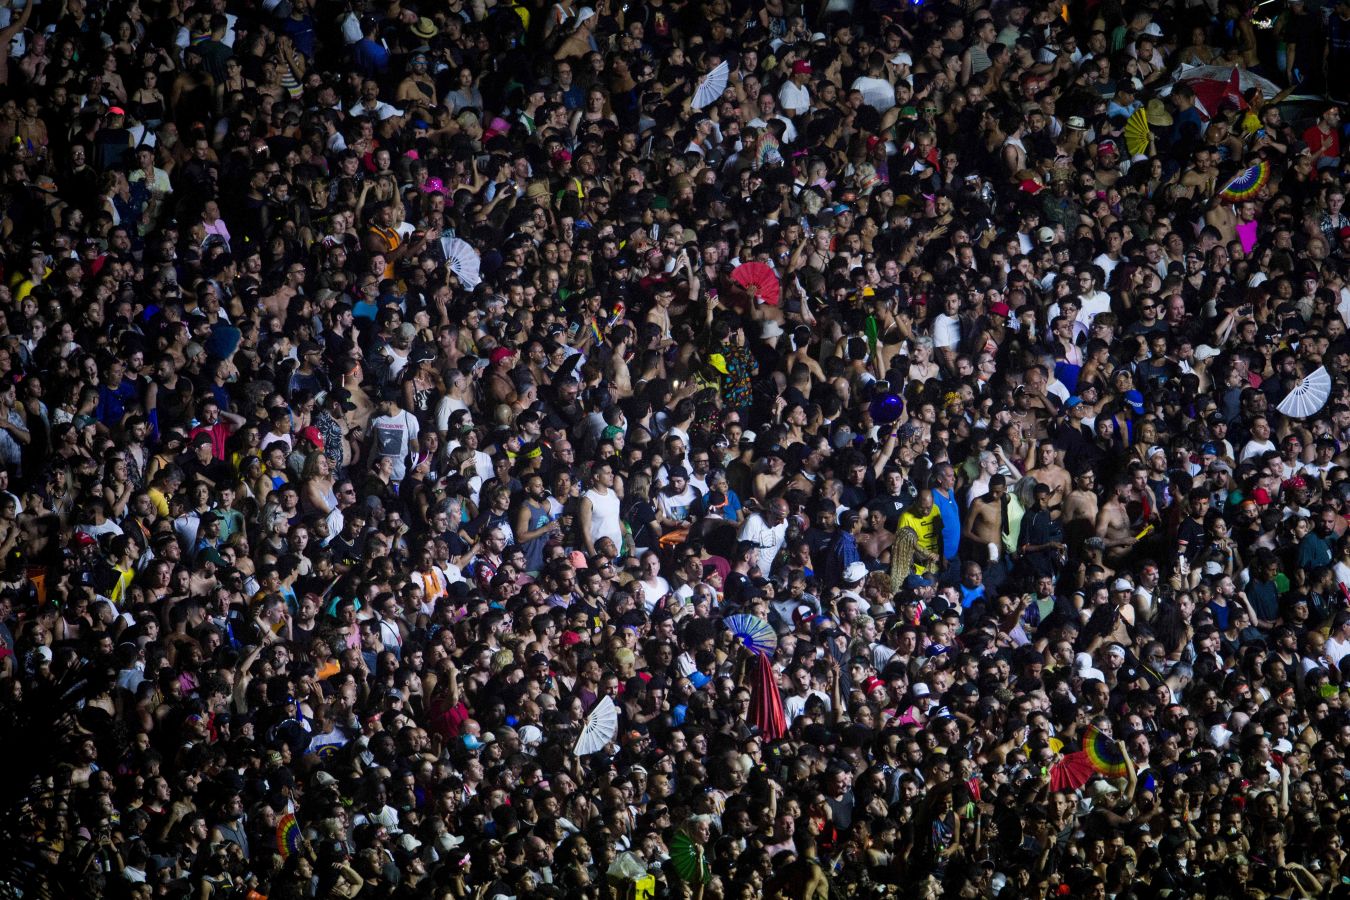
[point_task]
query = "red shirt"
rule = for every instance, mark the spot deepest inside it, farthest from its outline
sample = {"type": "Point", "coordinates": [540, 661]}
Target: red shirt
{"type": "Point", "coordinates": [1323, 144]}
{"type": "Point", "coordinates": [219, 432]}
{"type": "Point", "coordinates": [444, 719]}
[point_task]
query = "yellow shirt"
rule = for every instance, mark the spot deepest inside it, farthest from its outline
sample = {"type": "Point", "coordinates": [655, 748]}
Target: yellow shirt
{"type": "Point", "coordinates": [124, 579]}
{"type": "Point", "coordinates": [928, 529]}
{"type": "Point", "coordinates": [161, 502]}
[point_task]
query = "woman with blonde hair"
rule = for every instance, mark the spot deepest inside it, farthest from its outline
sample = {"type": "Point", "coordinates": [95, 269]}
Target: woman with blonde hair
{"type": "Point", "coordinates": [317, 494]}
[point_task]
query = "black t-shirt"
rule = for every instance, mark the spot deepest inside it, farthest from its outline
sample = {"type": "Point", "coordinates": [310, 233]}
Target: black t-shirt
{"type": "Point", "coordinates": [818, 541]}
{"type": "Point", "coordinates": [215, 470]}
{"type": "Point", "coordinates": [1193, 533]}
{"type": "Point", "coordinates": [639, 515]}
{"type": "Point", "coordinates": [891, 506]}
{"type": "Point", "coordinates": [345, 552]}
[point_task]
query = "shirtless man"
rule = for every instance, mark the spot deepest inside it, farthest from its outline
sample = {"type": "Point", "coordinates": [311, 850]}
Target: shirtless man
{"type": "Point", "coordinates": [1199, 179]}
{"type": "Point", "coordinates": [1113, 524]}
{"type": "Point", "coordinates": [1079, 512]}
{"type": "Point", "coordinates": [1050, 473]}
{"type": "Point", "coordinates": [1222, 217]}
{"type": "Point", "coordinates": [1034, 383]}
{"type": "Point", "coordinates": [1142, 502]}
{"type": "Point", "coordinates": [874, 541]}
{"type": "Point", "coordinates": [801, 879]}
{"type": "Point", "coordinates": [766, 483]}
{"type": "Point", "coordinates": [982, 531]}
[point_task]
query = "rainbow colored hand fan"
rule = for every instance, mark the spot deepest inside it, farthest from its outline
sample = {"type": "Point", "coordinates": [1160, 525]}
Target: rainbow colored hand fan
{"type": "Point", "coordinates": [1247, 183]}
{"type": "Point", "coordinates": [1104, 754]}
{"type": "Point", "coordinates": [288, 835]}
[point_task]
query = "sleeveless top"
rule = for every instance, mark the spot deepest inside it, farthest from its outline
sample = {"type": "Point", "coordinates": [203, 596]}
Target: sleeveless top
{"type": "Point", "coordinates": [1246, 232]}
{"type": "Point", "coordinates": [605, 517]}
{"type": "Point", "coordinates": [391, 241]}
{"type": "Point", "coordinates": [150, 113]}
{"type": "Point", "coordinates": [534, 548]}
{"type": "Point", "coordinates": [334, 518]}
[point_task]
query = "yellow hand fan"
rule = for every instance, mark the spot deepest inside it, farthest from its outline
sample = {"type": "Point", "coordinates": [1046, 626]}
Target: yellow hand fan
{"type": "Point", "coordinates": [1137, 135]}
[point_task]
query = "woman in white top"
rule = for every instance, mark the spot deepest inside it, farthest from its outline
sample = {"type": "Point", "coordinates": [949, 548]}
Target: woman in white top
{"type": "Point", "coordinates": [317, 496]}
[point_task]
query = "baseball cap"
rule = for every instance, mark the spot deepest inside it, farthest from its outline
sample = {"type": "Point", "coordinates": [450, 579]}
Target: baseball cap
{"type": "Point", "coordinates": [475, 743]}
{"type": "Point", "coordinates": [501, 353]}
{"type": "Point", "coordinates": [343, 396]}
{"type": "Point", "coordinates": [311, 434]}
{"type": "Point", "coordinates": [801, 67]}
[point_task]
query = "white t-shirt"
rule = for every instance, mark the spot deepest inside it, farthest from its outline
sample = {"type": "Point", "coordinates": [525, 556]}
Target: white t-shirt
{"type": "Point", "coordinates": [794, 98]}
{"type": "Point", "coordinates": [794, 706]}
{"type": "Point", "coordinates": [1336, 650]}
{"type": "Point", "coordinates": [395, 436]}
{"type": "Point", "coordinates": [447, 408]}
{"type": "Point", "coordinates": [1093, 305]}
{"type": "Point", "coordinates": [877, 93]}
{"type": "Point", "coordinates": [946, 332]}
{"type": "Point", "coordinates": [769, 540]}
{"type": "Point", "coordinates": [1107, 264]}
{"type": "Point", "coordinates": [790, 132]}
{"type": "Point", "coordinates": [1255, 448]}
{"type": "Point", "coordinates": [676, 506]}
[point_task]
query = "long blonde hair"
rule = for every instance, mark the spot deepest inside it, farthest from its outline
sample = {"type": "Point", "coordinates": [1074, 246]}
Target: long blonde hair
{"type": "Point", "coordinates": [902, 556]}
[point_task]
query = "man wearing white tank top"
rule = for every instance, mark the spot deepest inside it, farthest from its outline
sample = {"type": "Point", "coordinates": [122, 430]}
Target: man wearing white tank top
{"type": "Point", "coordinates": [599, 509]}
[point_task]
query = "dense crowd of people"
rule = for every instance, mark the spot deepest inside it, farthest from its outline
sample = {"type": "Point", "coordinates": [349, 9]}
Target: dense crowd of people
{"type": "Point", "coordinates": [498, 449]}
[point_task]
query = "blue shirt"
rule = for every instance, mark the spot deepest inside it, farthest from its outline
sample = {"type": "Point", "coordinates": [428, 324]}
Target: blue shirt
{"type": "Point", "coordinates": [112, 402]}
{"type": "Point", "coordinates": [302, 34]}
{"type": "Point", "coordinates": [969, 595]}
{"type": "Point", "coordinates": [951, 522]}
{"type": "Point", "coordinates": [729, 511]}
{"type": "Point", "coordinates": [1313, 552]}
{"type": "Point", "coordinates": [1265, 599]}
{"type": "Point", "coordinates": [370, 57]}
{"type": "Point", "coordinates": [1118, 109]}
